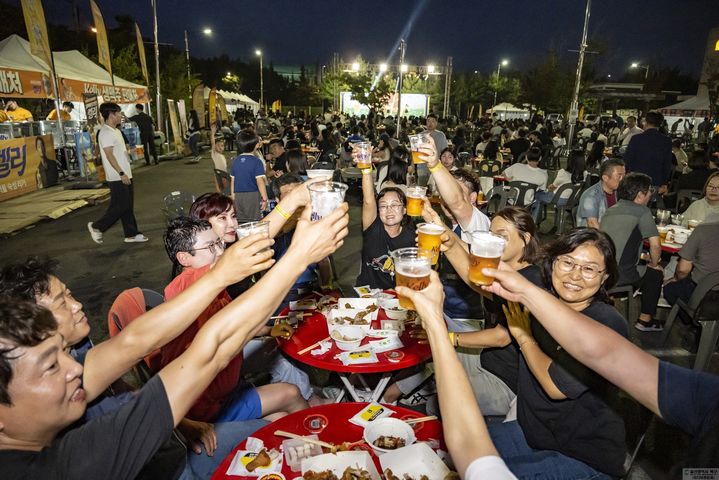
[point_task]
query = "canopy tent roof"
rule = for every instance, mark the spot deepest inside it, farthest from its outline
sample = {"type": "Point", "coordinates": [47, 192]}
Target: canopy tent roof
{"type": "Point", "coordinates": [22, 74]}
{"type": "Point", "coordinates": [236, 97]}
{"type": "Point", "coordinates": [697, 106]}
{"type": "Point", "coordinates": [507, 107]}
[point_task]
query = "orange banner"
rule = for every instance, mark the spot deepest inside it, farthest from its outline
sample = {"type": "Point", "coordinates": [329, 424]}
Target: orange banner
{"type": "Point", "coordinates": [212, 107]}
{"type": "Point", "coordinates": [223, 107]}
{"type": "Point", "coordinates": [73, 90]}
{"type": "Point", "coordinates": [36, 29]}
{"type": "Point", "coordinates": [141, 53]}
{"type": "Point", "coordinates": [23, 84]}
{"type": "Point", "coordinates": [23, 163]}
{"type": "Point", "coordinates": [103, 48]}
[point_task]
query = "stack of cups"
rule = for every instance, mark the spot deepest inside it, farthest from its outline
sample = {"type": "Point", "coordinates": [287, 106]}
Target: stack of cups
{"type": "Point", "coordinates": [485, 251]}
{"type": "Point", "coordinates": [326, 197]}
{"type": "Point", "coordinates": [412, 267]}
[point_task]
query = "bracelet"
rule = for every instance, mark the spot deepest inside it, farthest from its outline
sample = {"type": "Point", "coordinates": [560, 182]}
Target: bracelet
{"type": "Point", "coordinates": [456, 340]}
{"type": "Point", "coordinates": [284, 214]}
{"type": "Point", "coordinates": [366, 171]}
{"type": "Point", "coordinates": [453, 339]}
{"type": "Point", "coordinates": [533, 342]}
{"type": "Point", "coordinates": [437, 167]}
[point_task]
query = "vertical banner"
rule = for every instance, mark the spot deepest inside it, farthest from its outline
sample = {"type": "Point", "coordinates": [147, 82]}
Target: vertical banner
{"type": "Point", "coordinates": [179, 141]}
{"type": "Point", "coordinates": [198, 103]}
{"type": "Point", "coordinates": [223, 108]}
{"type": "Point", "coordinates": [212, 107]}
{"type": "Point", "coordinates": [183, 117]}
{"type": "Point", "coordinates": [91, 110]}
{"type": "Point", "coordinates": [26, 164]}
{"type": "Point", "coordinates": [141, 54]}
{"type": "Point", "coordinates": [37, 30]}
{"type": "Point", "coordinates": [103, 48]}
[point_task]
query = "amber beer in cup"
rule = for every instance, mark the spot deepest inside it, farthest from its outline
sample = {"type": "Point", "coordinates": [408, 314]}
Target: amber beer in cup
{"type": "Point", "coordinates": [364, 154]}
{"type": "Point", "coordinates": [415, 198]}
{"type": "Point", "coordinates": [429, 237]}
{"type": "Point", "coordinates": [485, 251]}
{"type": "Point", "coordinates": [411, 269]}
{"type": "Point", "coordinates": [415, 142]}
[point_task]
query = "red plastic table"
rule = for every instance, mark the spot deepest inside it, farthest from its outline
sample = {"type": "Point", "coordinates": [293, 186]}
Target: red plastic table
{"type": "Point", "coordinates": [338, 430]}
{"type": "Point", "coordinates": [671, 248]}
{"type": "Point", "coordinates": [314, 328]}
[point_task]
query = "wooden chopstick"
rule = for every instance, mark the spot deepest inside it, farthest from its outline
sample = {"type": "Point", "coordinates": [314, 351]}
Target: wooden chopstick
{"type": "Point", "coordinates": [412, 421]}
{"type": "Point", "coordinates": [303, 314]}
{"type": "Point", "coordinates": [305, 350]}
{"type": "Point", "coordinates": [320, 443]}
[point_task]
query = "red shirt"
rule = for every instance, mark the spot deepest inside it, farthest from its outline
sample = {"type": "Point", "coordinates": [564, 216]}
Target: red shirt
{"type": "Point", "coordinates": [210, 402]}
{"type": "Point", "coordinates": [611, 199]}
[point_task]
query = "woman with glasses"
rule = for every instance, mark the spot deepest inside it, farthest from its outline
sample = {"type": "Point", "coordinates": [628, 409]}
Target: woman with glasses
{"type": "Point", "coordinates": [385, 227]}
{"type": "Point", "coordinates": [564, 424]}
{"type": "Point", "coordinates": [706, 206]}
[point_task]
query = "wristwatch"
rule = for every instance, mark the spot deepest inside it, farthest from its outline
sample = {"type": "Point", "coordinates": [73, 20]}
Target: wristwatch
{"type": "Point", "coordinates": [121, 173]}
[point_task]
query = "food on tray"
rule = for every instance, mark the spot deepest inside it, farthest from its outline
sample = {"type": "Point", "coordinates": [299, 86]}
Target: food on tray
{"type": "Point", "coordinates": [338, 336]}
{"type": "Point", "coordinates": [349, 474]}
{"type": "Point", "coordinates": [261, 460]}
{"type": "Point", "coordinates": [389, 443]}
{"type": "Point", "coordinates": [359, 320]}
{"type": "Point", "coordinates": [391, 476]}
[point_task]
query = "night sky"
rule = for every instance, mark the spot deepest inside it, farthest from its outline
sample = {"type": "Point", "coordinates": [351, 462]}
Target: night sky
{"type": "Point", "coordinates": [477, 34]}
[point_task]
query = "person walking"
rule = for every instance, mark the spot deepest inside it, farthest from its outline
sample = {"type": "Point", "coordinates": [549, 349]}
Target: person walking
{"type": "Point", "coordinates": [116, 162]}
{"type": "Point", "coordinates": [147, 133]}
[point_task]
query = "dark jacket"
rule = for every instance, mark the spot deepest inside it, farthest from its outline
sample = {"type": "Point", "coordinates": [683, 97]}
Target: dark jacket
{"type": "Point", "coordinates": [145, 124]}
{"type": "Point", "coordinates": [650, 152]}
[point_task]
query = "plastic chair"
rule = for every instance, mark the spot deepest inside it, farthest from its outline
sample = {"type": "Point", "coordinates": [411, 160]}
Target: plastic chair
{"type": "Point", "coordinates": [490, 168]}
{"type": "Point", "coordinates": [223, 182]}
{"type": "Point", "coordinates": [685, 198]}
{"type": "Point", "coordinates": [560, 211]}
{"type": "Point", "coordinates": [128, 306]}
{"type": "Point", "coordinates": [709, 326]}
{"type": "Point", "coordinates": [499, 197]}
{"type": "Point", "coordinates": [177, 204]}
{"type": "Point", "coordinates": [524, 188]}
{"type": "Point", "coordinates": [630, 307]}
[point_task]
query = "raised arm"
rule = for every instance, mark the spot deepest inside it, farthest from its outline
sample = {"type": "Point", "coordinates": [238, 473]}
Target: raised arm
{"type": "Point", "coordinates": [109, 360]}
{"type": "Point", "coordinates": [591, 343]}
{"type": "Point", "coordinates": [225, 334]}
{"type": "Point", "coordinates": [295, 200]}
{"type": "Point", "coordinates": [369, 202]}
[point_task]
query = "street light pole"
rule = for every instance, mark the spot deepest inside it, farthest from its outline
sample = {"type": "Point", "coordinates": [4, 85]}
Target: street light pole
{"type": "Point", "coordinates": [402, 48]}
{"type": "Point", "coordinates": [645, 67]}
{"type": "Point", "coordinates": [187, 56]}
{"type": "Point", "coordinates": [157, 66]}
{"type": "Point", "coordinates": [262, 82]}
{"type": "Point", "coordinates": [574, 107]}
{"type": "Point", "coordinates": [496, 88]}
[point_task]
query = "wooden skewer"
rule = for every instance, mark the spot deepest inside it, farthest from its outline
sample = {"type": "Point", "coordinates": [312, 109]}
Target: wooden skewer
{"type": "Point", "coordinates": [412, 421]}
{"type": "Point", "coordinates": [303, 314]}
{"type": "Point", "coordinates": [281, 433]}
{"type": "Point", "coordinates": [305, 350]}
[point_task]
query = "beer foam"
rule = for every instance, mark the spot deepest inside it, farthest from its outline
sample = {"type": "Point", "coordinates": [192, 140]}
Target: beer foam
{"type": "Point", "coordinates": [418, 267]}
{"type": "Point", "coordinates": [431, 229]}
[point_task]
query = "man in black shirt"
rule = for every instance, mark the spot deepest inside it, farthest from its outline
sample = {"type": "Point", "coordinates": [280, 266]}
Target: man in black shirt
{"type": "Point", "coordinates": [519, 145]}
{"type": "Point", "coordinates": [147, 132]}
{"type": "Point", "coordinates": [41, 393]}
{"type": "Point", "coordinates": [278, 157]}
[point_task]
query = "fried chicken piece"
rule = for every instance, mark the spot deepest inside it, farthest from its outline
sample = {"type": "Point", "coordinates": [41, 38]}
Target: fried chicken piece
{"type": "Point", "coordinates": [261, 460]}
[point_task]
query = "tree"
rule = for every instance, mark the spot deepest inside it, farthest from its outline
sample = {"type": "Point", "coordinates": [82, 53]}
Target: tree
{"type": "Point", "coordinates": [549, 85]}
{"type": "Point", "coordinates": [366, 91]}
{"type": "Point", "coordinates": [232, 82]}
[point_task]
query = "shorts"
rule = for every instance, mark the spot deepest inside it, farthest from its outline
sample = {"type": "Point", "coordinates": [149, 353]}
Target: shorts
{"type": "Point", "coordinates": [243, 404]}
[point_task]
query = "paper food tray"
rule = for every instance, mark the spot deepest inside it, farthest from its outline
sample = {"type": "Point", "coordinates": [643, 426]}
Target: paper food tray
{"type": "Point", "coordinates": [305, 304]}
{"type": "Point", "coordinates": [359, 304]}
{"type": "Point", "coordinates": [346, 312]}
{"type": "Point", "coordinates": [243, 457]}
{"type": "Point", "coordinates": [414, 460]}
{"type": "Point", "coordinates": [337, 463]}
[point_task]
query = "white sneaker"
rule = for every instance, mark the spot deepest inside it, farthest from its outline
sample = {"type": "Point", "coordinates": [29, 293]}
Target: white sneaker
{"type": "Point", "coordinates": [662, 303]}
{"type": "Point", "coordinates": [139, 238]}
{"type": "Point", "coordinates": [94, 233]}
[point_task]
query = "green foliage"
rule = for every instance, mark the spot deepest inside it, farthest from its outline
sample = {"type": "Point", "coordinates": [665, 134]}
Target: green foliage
{"type": "Point", "coordinates": [232, 82]}
{"type": "Point", "coordinates": [548, 86]}
{"type": "Point", "coordinates": [126, 64]}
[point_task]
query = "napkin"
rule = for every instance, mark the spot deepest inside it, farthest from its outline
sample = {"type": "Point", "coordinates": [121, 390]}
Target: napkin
{"type": "Point", "coordinates": [324, 347]}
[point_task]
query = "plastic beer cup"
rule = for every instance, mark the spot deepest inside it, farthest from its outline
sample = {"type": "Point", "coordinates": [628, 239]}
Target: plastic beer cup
{"type": "Point", "coordinates": [412, 267]}
{"type": "Point", "coordinates": [485, 251]}
{"type": "Point", "coordinates": [251, 228]}
{"type": "Point", "coordinates": [325, 197]}
{"type": "Point", "coordinates": [415, 142]}
{"type": "Point", "coordinates": [415, 197]}
{"type": "Point", "coordinates": [429, 237]}
{"type": "Point", "coordinates": [363, 154]}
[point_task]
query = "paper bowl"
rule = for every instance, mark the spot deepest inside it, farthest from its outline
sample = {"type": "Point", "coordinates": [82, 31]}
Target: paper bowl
{"type": "Point", "coordinates": [388, 301]}
{"type": "Point", "coordinates": [388, 427]}
{"type": "Point", "coordinates": [396, 313]}
{"type": "Point", "coordinates": [350, 331]}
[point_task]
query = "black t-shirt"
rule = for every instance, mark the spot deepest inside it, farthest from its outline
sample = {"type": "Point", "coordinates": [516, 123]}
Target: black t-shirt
{"type": "Point", "coordinates": [377, 268]}
{"type": "Point", "coordinates": [280, 163]}
{"type": "Point", "coordinates": [114, 446]}
{"type": "Point", "coordinates": [504, 362]}
{"type": "Point", "coordinates": [582, 426]}
{"type": "Point", "coordinates": [518, 146]}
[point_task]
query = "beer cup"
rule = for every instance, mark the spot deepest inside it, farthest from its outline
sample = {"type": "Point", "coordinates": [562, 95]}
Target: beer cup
{"type": "Point", "coordinates": [411, 269]}
{"type": "Point", "coordinates": [415, 196]}
{"type": "Point", "coordinates": [326, 197]}
{"type": "Point", "coordinates": [251, 228]}
{"type": "Point", "coordinates": [692, 224]}
{"type": "Point", "coordinates": [363, 154]}
{"type": "Point", "coordinates": [485, 251]}
{"type": "Point", "coordinates": [415, 142]}
{"type": "Point", "coordinates": [429, 237]}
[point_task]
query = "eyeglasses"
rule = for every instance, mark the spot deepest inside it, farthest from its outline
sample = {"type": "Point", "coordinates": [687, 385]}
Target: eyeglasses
{"type": "Point", "coordinates": [712, 187]}
{"type": "Point", "coordinates": [214, 248]}
{"type": "Point", "coordinates": [391, 206]}
{"type": "Point", "coordinates": [567, 264]}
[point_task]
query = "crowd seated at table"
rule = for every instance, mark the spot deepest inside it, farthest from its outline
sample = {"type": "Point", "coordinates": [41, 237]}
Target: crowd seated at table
{"type": "Point", "coordinates": [551, 359]}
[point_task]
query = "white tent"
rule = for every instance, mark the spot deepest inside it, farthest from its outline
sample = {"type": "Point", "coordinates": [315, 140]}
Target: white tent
{"type": "Point", "coordinates": [693, 110]}
{"type": "Point", "coordinates": [234, 100]}
{"type": "Point", "coordinates": [506, 111]}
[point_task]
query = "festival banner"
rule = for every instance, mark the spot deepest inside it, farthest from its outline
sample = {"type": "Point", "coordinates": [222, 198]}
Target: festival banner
{"type": "Point", "coordinates": [179, 141]}
{"type": "Point", "coordinates": [24, 84]}
{"type": "Point", "coordinates": [91, 110]}
{"type": "Point", "coordinates": [37, 30]}
{"type": "Point", "coordinates": [223, 107]}
{"type": "Point", "coordinates": [212, 107]}
{"type": "Point", "coordinates": [103, 48]}
{"type": "Point", "coordinates": [26, 164]}
{"type": "Point", "coordinates": [198, 102]}
{"type": "Point", "coordinates": [141, 53]}
{"type": "Point", "coordinates": [183, 117]}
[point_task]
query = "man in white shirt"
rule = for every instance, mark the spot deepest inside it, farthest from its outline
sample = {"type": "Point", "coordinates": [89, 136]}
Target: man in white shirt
{"type": "Point", "coordinates": [529, 172]}
{"type": "Point", "coordinates": [630, 130]}
{"type": "Point", "coordinates": [116, 163]}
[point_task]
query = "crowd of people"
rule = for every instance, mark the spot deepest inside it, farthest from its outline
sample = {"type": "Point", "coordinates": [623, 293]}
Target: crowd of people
{"type": "Point", "coordinates": [550, 360]}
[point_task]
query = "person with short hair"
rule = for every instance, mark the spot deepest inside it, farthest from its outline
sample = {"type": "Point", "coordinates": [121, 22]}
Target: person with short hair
{"type": "Point", "coordinates": [708, 205]}
{"type": "Point", "coordinates": [516, 146]}
{"type": "Point", "coordinates": [147, 132]}
{"type": "Point", "coordinates": [630, 130]}
{"type": "Point", "coordinates": [250, 187]}
{"type": "Point", "coordinates": [65, 111]}
{"type": "Point", "coordinates": [650, 152]}
{"type": "Point", "coordinates": [629, 223]}
{"type": "Point", "coordinates": [278, 157]}
{"type": "Point", "coordinates": [531, 173]}
{"type": "Point", "coordinates": [116, 163]}
{"type": "Point", "coordinates": [16, 113]}
{"type": "Point", "coordinates": [602, 195]}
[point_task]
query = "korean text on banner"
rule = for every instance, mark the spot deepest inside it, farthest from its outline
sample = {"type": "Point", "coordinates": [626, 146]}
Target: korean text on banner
{"type": "Point", "coordinates": [23, 164]}
{"type": "Point", "coordinates": [103, 48]}
{"type": "Point", "coordinates": [141, 53]}
{"type": "Point", "coordinates": [37, 30]}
